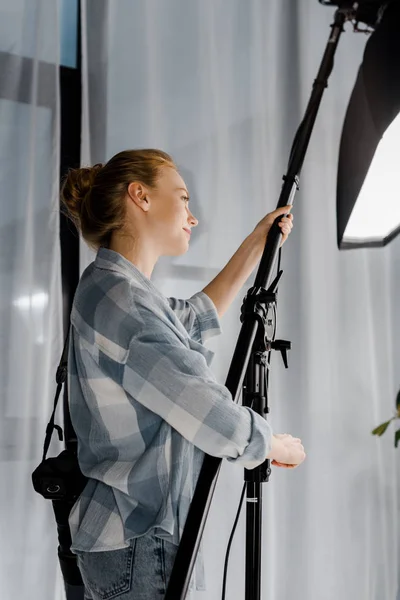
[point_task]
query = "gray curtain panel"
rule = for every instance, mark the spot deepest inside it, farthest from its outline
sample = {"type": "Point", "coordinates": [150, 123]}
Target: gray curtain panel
{"type": "Point", "coordinates": [222, 86]}
{"type": "Point", "coordinates": [30, 290]}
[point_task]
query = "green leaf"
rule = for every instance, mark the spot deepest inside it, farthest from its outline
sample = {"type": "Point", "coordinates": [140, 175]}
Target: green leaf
{"type": "Point", "coordinates": [397, 437]}
{"type": "Point", "coordinates": [398, 403]}
{"type": "Point", "coordinates": [380, 430]}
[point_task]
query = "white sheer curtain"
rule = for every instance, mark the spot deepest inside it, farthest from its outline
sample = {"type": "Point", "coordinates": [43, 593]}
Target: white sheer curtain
{"type": "Point", "coordinates": [222, 85]}
{"type": "Point", "coordinates": [31, 306]}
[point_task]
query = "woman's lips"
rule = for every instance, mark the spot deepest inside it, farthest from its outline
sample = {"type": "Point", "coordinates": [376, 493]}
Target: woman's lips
{"type": "Point", "coordinates": [187, 231]}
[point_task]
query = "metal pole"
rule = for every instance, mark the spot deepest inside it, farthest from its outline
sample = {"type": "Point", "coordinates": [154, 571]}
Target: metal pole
{"type": "Point", "coordinates": [255, 395]}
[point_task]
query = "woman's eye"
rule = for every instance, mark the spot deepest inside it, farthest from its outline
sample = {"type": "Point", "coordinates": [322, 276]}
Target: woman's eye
{"type": "Point", "coordinates": [185, 198]}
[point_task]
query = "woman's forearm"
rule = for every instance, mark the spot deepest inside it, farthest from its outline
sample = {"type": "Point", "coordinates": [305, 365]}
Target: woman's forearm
{"type": "Point", "coordinates": [224, 288]}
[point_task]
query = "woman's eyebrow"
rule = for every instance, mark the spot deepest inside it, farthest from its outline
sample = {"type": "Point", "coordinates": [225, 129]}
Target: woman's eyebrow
{"type": "Point", "coordinates": [184, 189]}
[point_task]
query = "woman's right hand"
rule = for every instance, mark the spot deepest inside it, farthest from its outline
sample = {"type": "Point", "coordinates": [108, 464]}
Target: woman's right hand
{"type": "Point", "coordinates": [286, 451]}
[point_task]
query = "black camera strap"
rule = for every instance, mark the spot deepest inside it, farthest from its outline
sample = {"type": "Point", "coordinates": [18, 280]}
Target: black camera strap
{"type": "Point", "coordinates": [61, 480]}
{"type": "Point", "coordinates": [61, 376]}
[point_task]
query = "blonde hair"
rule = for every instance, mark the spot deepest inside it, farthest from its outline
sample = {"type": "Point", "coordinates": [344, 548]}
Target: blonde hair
{"type": "Point", "coordinates": [93, 197]}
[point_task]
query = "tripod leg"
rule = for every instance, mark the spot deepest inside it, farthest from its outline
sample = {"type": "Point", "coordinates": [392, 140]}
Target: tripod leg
{"type": "Point", "coordinates": [253, 540]}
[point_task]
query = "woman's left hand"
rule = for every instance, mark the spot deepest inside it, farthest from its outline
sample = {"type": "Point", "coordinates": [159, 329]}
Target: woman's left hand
{"type": "Point", "coordinates": [285, 224]}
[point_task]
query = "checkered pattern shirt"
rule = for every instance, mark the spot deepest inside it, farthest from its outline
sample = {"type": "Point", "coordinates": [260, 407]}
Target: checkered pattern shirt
{"type": "Point", "coordinates": [146, 406]}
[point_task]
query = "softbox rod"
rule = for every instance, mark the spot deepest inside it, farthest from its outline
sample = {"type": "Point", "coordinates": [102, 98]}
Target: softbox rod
{"type": "Point", "coordinates": [200, 505]}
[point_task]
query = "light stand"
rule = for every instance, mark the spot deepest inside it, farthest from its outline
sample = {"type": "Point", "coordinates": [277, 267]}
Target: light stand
{"type": "Point", "coordinates": [259, 306]}
{"type": "Point", "coordinates": [259, 309]}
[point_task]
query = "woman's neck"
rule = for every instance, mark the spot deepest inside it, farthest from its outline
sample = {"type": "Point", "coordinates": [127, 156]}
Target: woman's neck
{"type": "Point", "coordinates": [136, 251]}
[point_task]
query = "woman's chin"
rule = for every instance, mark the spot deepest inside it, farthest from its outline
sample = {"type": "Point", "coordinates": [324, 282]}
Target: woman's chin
{"type": "Point", "coordinates": [178, 250]}
{"type": "Point", "coordinates": [182, 251]}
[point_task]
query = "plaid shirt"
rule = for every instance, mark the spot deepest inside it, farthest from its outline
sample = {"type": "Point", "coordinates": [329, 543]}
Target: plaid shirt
{"type": "Point", "coordinates": [146, 406]}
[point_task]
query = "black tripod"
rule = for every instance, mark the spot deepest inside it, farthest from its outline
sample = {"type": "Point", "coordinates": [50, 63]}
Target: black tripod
{"type": "Point", "coordinates": [249, 357]}
{"type": "Point", "coordinates": [259, 305]}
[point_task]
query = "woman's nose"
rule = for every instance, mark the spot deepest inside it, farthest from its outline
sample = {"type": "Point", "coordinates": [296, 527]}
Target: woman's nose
{"type": "Point", "coordinates": [192, 220]}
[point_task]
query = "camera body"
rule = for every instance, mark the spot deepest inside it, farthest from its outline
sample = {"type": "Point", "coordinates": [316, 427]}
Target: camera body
{"type": "Point", "coordinates": [60, 477]}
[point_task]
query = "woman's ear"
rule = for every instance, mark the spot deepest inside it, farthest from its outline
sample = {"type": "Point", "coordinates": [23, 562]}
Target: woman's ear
{"type": "Point", "coordinates": [137, 193]}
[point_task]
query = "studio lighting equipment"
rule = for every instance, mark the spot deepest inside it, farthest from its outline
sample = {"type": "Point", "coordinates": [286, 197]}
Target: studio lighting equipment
{"type": "Point", "coordinates": [368, 213]}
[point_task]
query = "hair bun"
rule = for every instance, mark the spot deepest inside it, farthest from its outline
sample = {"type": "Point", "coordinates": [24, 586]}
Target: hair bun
{"type": "Point", "coordinates": [76, 187]}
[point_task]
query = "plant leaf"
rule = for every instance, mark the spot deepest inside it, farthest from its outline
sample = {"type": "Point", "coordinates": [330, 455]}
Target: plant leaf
{"type": "Point", "coordinates": [397, 437]}
{"type": "Point", "coordinates": [380, 430]}
{"type": "Point", "coordinates": [398, 403]}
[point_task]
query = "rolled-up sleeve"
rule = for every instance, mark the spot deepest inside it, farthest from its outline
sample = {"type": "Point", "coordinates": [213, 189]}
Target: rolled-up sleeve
{"type": "Point", "coordinates": [175, 382]}
{"type": "Point", "coordinates": [198, 315]}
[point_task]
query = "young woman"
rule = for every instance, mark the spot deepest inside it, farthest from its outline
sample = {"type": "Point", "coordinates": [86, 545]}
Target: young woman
{"type": "Point", "coordinates": [144, 403]}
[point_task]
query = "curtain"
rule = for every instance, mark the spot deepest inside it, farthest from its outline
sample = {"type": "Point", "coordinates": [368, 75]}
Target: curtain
{"type": "Point", "coordinates": [222, 86]}
{"type": "Point", "coordinates": [31, 305]}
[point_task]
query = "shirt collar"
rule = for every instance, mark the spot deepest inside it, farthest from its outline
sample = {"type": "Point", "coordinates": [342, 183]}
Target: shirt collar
{"type": "Point", "coordinates": [113, 261]}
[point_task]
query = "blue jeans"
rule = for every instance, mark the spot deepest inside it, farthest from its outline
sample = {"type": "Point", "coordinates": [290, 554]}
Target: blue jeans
{"type": "Point", "coordinates": [139, 572]}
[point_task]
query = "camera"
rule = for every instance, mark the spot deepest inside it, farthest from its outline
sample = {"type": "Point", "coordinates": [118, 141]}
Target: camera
{"type": "Point", "coordinates": [60, 477]}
